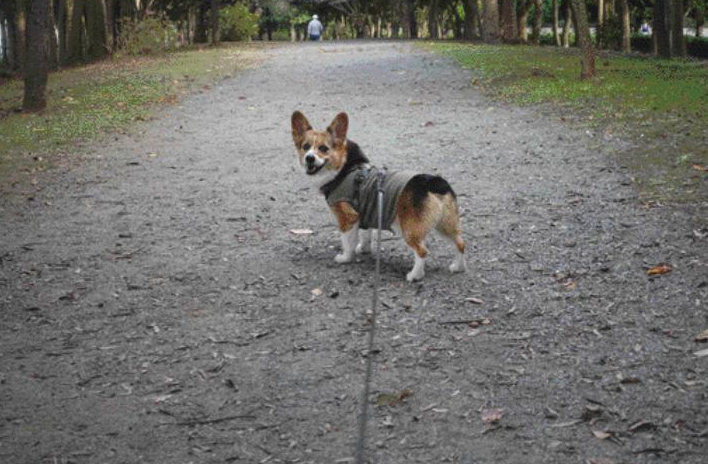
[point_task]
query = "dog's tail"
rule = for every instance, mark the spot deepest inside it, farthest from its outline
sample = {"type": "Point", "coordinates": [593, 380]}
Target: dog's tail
{"type": "Point", "coordinates": [423, 184]}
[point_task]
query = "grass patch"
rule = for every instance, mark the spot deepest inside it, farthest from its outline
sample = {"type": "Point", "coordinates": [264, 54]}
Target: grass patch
{"type": "Point", "coordinates": [658, 104]}
{"type": "Point", "coordinates": [86, 102]}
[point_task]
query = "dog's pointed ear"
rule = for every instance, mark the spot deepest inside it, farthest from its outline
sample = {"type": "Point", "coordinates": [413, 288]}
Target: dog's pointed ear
{"type": "Point", "coordinates": [339, 126]}
{"type": "Point", "coordinates": [300, 125]}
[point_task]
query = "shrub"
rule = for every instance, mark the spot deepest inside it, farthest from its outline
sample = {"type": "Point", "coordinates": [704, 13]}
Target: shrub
{"type": "Point", "coordinates": [609, 34]}
{"type": "Point", "coordinates": [237, 23]}
{"type": "Point", "coordinates": [641, 43]}
{"type": "Point", "coordinates": [149, 35]}
{"type": "Point", "coordinates": [697, 46]}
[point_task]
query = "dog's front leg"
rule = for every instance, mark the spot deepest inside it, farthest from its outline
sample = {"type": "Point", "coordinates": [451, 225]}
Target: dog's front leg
{"type": "Point", "coordinates": [349, 239]}
{"type": "Point", "coordinates": [348, 222]}
{"type": "Point", "coordinates": [364, 245]}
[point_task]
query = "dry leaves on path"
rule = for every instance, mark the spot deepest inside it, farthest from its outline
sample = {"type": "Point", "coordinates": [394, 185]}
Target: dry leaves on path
{"type": "Point", "coordinates": [491, 416]}
{"type": "Point", "coordinates": [659, 269]}
{"type": "Point", "coordinates": [393, 399]}
{"type": "Point", "coordinates": [702, 337]}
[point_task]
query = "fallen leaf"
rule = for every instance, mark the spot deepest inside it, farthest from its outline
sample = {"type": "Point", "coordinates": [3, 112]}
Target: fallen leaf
{"type": "Point", "coordinates": [659, 269]}
{"type": "Point", "coordinates": [301, 231]}
{"type": "Point", "coordinates": [570, 284]}
{"type": "Point", "coordinates": [152, 155]}
{"type": "Point", "coordinates": [702, 337]}
{"type": "Point", "coordinates": [701, 354]}
{"type": "Point", "coordinates": [474, 300]}
{"type": "Point", "coordinates": [317, 291]}
{"type": "Point", "coordinates": [601, 435]}
{"type": "Point", "coordinates": [599, 461]}
{"type": "Point", "coordinates": [566, 424]}
{"type": "Point", "coordinates": [699, 167]}
{"type": "Point", "coordinates": [491, 416]}
{"type": "Point", "coordinates": [392, 399]}
{"type": "Point", "coordinates": [641, 425]}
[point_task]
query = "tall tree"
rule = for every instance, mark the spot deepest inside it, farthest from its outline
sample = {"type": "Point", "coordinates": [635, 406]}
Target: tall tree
{"type": "Point", "coordinates": [18, 31]}
{"type": "Point", "coordinates": [433, 19]}
{"type": "Point", "coordinates": [626, 27]}
{"type": "Point", "coordinates": [509, 28]}
{"type": "Point", "coordinates": [523, 19]}
{"type": "Point", "coordinates": [582, 29]}
{"type": "Point", "coordinates": [37, 61]}
{"type": "Point", "coordinates": [556, 35]}
{"type": "Point", "coordinates": [567, 19]}
{"type": "Point", "coordinates": [490, 32]}
{"type": "Point", "coordinates": [411, 22]}
{"type": "Point", "coordinates": [678, 41]}
{"type": "Point", "coordinates": [214, 22]}
{"type": "Point", "coordinates": [471, 19]}
{"type": "Point", "coordinates": [96, 31]}
{"type": "Point", "coordinates": [660, 31]}
{"type": "Point", "coordinates": [537, 22]}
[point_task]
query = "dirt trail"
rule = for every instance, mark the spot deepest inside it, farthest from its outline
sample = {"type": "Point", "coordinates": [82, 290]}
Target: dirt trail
{"type": "Point", "coordinates": [157, 309]}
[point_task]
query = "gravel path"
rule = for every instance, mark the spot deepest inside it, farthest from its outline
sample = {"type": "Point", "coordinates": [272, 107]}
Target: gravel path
{"type": "Point", "coordinates": [156, 308]}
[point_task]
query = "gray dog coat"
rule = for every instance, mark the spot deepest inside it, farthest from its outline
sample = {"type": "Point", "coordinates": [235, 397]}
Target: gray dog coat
{"type": "Point", "coordinates": [358, 188]}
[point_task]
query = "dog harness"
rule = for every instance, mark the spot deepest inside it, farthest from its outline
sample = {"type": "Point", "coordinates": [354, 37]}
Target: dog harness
{"type": "Point", "coordinates": [358, 188]}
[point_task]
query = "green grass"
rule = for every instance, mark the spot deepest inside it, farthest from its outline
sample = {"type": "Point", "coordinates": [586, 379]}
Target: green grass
{"type": "Point", "coordinates": [87, 102]}
{"type": "Point", "coordinates": [662, 105]}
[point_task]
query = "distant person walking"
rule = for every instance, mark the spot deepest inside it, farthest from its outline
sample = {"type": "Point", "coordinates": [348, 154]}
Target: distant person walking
{"type": "Point", "coordinates": [315, 28]}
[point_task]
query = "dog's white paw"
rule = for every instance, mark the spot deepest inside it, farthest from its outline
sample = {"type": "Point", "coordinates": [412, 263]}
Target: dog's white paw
{"type": "Point", "coordinates": [415, 275]}
{"type": "Point", "coordinates": [343, 258]}
{"type": "Point", "coordinates": [458, 265]}
{"type": "Point", "coordinates": [363, 248]}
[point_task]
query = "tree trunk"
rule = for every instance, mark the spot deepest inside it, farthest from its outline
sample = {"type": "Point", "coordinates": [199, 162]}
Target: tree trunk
{"type": "Point", "coordinates": [201, 28]}
{"type": "Point", "coordinates": [75, 45]}
{"type": "Point", "coordinates": [469, 25]}
{"type": "Point", "coordinates": [582, 29]}
{"type": "Point", "coordinates": [11, 43]}
{"type": "Point", "coordinates": [490, 29]}
{"type": "Point", "coordinates": [36, 65]}
{"type": "Point", "coordinates": [566, 24]}
{"type": "Point", "coordinates": [20, 34]}
{"type": "Point", "coordinates": [556, 36]}
{"type": "Point", "coordinates": [660, 29]}
{"type": "Point", "coordinates": [626, 28]}
{"type": "Point", "coordinates": [433, 19]}
{"type": "Point", "coordinates": [3, 39]}
{"type": "Point", "coordinates": [537, 22]}
{"type": "Point", "coordinates": [522, 19]}
{"type": "Point", "coordinates": [678, 42]}
{"type": "Point", "coordinates": [96, 40]}
{"type": "Point", "coordinates": [52, 38]}
{"type": "Point", "coordinates": [411, 23]}
{"type": "Point", "coordinates": [509, 28]}
{"type": "Point", "coordinates": [700, 17]}
{"type": "Point", "coordinates": [62, 20]}
{"type": "Point", "coordinates": [600, 12]}
{"type": "Point", "coordinates": [214, 21]}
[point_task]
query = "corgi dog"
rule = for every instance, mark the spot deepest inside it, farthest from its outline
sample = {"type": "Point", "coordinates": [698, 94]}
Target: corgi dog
{"type": "Point", "coordinates": [413, 204]}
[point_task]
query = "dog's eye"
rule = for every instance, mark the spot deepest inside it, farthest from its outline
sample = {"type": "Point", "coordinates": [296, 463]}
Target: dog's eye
{"type": "Point", "coordinates": [306, 146]}
{"type": "Point", "coordinates": [323, 148]}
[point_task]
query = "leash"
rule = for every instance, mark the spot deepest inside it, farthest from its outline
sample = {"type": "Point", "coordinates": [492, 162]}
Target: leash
{"type": "Point", "coordinates": [364, 417]}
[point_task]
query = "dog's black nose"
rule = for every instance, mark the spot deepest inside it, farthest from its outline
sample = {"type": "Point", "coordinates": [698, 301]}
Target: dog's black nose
{"type": "Point", "coordinates": [309, 158]}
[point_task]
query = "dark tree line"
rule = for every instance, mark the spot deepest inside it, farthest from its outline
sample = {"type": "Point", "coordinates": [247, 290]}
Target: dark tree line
{"type": "Point", "coordinates": [40, 35]}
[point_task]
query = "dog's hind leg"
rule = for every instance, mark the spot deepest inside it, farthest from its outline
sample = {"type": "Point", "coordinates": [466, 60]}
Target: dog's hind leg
{"type": "Point", "coordinates": [449, 227]}
{"type": "Point", "coordinates": [420, 251]}
{"type": "Point", "coordinates": [415, 224]}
